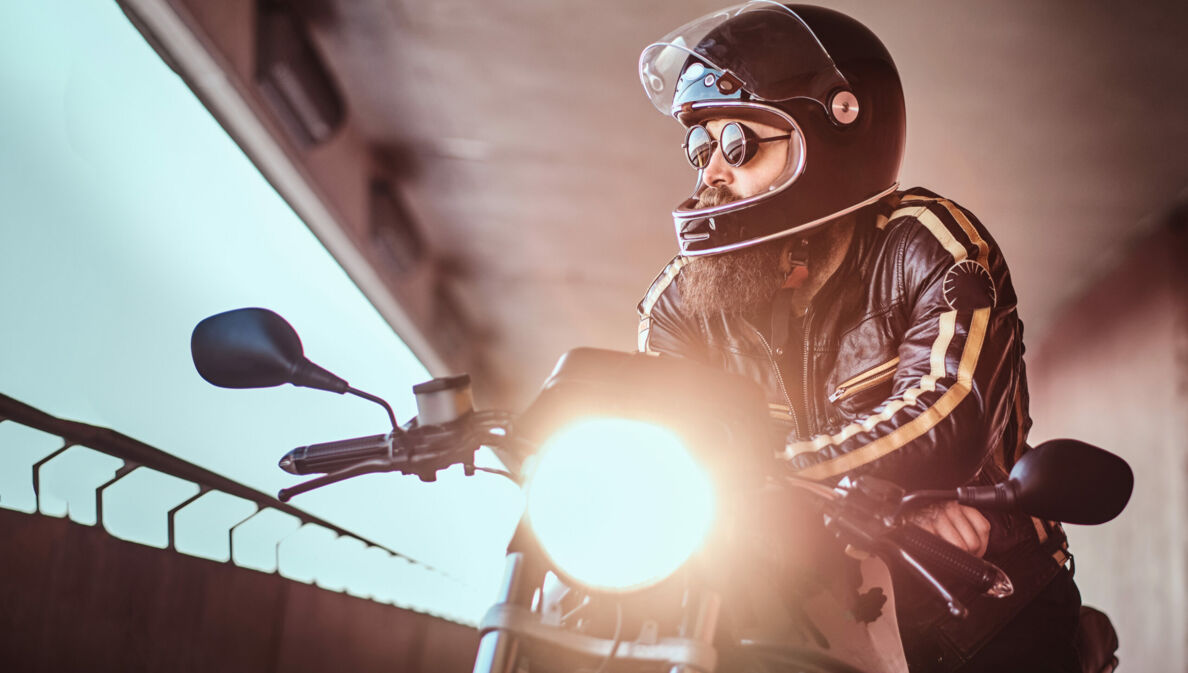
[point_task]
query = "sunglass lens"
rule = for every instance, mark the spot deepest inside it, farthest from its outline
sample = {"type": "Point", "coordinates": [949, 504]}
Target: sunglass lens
{"type": "Point", "coordinates": [734, 144]}
{"type": "Point", "coordinates": [699, 146]}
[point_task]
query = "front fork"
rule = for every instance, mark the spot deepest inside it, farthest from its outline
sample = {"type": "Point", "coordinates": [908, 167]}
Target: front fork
{"type": "Point", "coordinates": [700, 623]}
{"type": "Point", "coordinates": [498, 651]}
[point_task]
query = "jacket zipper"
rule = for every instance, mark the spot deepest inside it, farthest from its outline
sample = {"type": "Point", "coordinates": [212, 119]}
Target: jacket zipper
{"type": "Point", "coordinates": [804, 381]}
{"type": "Point", "coordinates": [779, 379]}
{"type": "Point", "coordinates": [860, 383]}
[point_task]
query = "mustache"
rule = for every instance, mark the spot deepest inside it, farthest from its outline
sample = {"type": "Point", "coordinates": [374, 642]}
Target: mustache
{"type": "Point", "coordinates": [715, 196]}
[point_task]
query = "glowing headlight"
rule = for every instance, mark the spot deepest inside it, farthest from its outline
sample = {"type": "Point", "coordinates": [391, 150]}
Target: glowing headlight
{"type": "Point", "coordinates": [618, 505]}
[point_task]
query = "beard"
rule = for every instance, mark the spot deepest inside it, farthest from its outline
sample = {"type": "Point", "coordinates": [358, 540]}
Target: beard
{"type": "Point", "coordinates": [731, 282]}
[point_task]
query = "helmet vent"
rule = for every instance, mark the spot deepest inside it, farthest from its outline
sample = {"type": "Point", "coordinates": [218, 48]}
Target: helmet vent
{"type": "Point", "coordinates": [843, 107]}
{"type": "Point", "coordinates": [728, 83]}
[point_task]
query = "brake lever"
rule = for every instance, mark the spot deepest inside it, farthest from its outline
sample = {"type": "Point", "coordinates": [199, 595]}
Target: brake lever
{"type": "Point", "coordinates": [365, 467]}
{"type": "Point", "coordinates": [867, 513]}
{"type": "Point", "coordinates": [877, 541]}
{"type": "Point", "coordinates": [955, 606]}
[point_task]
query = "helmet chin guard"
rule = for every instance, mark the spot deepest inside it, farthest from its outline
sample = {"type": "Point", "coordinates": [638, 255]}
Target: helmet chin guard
{"type": "Point", "coordinates": [700, 233]}
{"type": "Point", "coordinates": [816, 72]}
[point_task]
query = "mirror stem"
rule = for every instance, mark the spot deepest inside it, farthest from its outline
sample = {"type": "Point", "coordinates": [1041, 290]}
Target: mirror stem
{"type": "Point", "coordinates": [368, 396]}
{"type": "Point", "coordinates": [918, 499]}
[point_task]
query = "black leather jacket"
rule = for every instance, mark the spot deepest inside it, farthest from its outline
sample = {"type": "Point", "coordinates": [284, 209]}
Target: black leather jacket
{"type": "Point", "coordinates": [908, 365]}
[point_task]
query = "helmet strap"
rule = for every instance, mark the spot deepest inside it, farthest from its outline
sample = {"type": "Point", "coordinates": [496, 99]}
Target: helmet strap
{"type": "Point", "coordinates": [795, 263]}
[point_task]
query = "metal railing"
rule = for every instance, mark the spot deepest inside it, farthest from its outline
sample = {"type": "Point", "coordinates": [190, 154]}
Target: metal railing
{"type": "Point", "coordinates": [135, 454]}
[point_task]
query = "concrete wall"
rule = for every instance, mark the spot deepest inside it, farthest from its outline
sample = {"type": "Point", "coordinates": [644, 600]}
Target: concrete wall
{"type": "Point", "coordinates": [76, 599]}
{"type": "Point", "coordinates": [1113, 370]}
{"type": "Point", "coordinates": [212, 45]}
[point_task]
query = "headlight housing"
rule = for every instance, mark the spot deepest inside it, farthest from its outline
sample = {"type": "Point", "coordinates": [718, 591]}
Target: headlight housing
{"type": "Point", "coordinates": [626, 443]}
{"type": "Point", "coordinates": [619, 505]}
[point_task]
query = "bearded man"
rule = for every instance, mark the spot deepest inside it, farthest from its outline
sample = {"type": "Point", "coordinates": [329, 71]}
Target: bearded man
{"type": "Point", "coordinates": [881, 322]}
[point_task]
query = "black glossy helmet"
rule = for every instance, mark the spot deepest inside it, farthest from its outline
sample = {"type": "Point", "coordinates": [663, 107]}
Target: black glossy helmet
{"type": "Point", "coordinates": [812, 70]}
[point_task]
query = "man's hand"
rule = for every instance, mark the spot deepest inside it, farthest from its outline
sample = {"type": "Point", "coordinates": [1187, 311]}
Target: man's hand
{"type": "Point", "coordinates": [961, 526]}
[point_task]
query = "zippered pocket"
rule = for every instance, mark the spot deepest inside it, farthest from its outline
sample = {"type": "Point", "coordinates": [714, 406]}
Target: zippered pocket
{"type": "Point", "coordinates": [867, 379]}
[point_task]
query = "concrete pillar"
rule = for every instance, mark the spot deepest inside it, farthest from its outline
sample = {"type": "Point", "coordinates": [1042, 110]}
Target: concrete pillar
{"type": "Point", "coordinates": [1113, 370]}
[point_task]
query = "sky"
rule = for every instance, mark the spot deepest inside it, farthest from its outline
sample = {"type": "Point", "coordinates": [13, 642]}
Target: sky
{"type": "Point", "coordinates": [126, 216]}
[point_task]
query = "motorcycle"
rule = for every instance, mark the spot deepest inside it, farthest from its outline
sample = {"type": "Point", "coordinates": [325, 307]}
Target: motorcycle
{"type": "Point", "coordinates": [660, 531]}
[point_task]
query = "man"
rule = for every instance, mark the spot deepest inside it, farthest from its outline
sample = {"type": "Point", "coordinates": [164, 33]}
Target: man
{"type": "Point", "coordinates": [881, 322]}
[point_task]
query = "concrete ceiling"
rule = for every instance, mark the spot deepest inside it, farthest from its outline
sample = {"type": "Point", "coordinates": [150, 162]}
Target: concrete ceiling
{"type": "Point", "coordinates": [543, 179]}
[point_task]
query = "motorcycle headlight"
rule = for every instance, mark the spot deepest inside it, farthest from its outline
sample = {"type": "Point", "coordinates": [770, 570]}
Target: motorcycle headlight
{"type": "Point", "coordinates": [618, 505]}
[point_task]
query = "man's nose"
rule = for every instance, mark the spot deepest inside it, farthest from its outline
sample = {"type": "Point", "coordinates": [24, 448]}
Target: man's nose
{"type": "Point", "coordinates": [717, 172]}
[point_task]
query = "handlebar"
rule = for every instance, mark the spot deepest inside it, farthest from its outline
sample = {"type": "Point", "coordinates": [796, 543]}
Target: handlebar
{"type": "Point", "coordinates": [422, 450]}
{"type": "Point", "coordinates": [866, 516]}
{"type": "Point", "coordinates": [332, 456]}
{"type": "Point", "coordinates": [857, 518]}
{"type": "Point", "coordinates": [952, 562]}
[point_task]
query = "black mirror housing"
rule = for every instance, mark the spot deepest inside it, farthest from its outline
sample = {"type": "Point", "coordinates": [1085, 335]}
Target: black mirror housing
{"type": "Point", "coordinates": [255, 348]}
{"type": "Point", "coordinates": [1071, 481]}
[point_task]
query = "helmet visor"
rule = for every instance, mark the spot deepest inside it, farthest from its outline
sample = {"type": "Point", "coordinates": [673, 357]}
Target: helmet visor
{"type": "Point", "coordinates": [763, 44]}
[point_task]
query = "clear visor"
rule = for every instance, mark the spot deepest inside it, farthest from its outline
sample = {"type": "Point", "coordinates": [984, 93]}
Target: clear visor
{"type": "Point", "coordinates": [762, 43]}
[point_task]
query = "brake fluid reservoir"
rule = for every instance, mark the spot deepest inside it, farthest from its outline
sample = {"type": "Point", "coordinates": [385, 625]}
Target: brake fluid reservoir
{"type": "Point", "coordinates": [443, 400]}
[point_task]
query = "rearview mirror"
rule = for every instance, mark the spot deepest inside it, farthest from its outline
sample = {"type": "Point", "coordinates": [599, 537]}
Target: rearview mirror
{"type": "Point", "coordinates": [255, 348]}
{"type": "Point", "coordinates": [1071, 481]}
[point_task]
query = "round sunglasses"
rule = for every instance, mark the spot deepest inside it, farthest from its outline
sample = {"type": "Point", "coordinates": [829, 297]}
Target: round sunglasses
{"type": "Point", "coordinates": [738, 142]}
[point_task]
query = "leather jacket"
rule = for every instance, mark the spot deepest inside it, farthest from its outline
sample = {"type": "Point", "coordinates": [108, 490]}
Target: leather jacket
{"type": "Point", "coordinates": [908, 365]}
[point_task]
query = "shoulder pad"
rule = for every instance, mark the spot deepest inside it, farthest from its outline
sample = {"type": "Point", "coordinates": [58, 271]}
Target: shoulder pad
{"type": "Point", "coordinates": [660, 284]}
{"type": "Point", "coordinates": [954, 228]}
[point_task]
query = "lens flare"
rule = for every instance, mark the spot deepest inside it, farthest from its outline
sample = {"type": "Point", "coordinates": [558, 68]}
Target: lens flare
{"type": "Point", "coordinates": [617, 504]}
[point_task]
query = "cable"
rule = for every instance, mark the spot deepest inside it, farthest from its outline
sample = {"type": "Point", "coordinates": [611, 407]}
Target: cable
{"type": "Point", "coordinates": [492, 470]}
{"type": "Point", "coordinates": [396, 431]}
{"type": "Point", "coordinates": [618, 638]}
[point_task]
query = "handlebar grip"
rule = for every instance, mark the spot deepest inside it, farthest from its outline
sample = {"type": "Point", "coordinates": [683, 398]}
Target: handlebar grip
{"type": "Point", "coordinates": [331, 456]}
{"type": "Point", "coordinates": [952, 562]}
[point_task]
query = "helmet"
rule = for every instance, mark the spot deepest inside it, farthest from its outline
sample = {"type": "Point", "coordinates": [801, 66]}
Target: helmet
{"type": "Point", "coordinates": [815, 71]}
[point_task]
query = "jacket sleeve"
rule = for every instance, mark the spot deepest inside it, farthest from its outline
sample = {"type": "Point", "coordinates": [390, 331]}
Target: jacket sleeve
{"type": "Point", "coordinates": [959, 363]}
{"type": "Point", "coordinates": [663, 329]}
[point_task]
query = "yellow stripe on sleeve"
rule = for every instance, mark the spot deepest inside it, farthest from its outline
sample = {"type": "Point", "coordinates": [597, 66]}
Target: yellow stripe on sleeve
{"type": "Point", "coordinates": [972, 232]}
{"type": "Point", "coordinates": [947, 323]}
{"type": "Point", "coordinates": [942, 234]}
{"type": "Point", "coordinates": [911, 430]}
{"type": "Point", "coordinates": [936, 360]}
{"type": "Point", "coordinates": [659, 285]}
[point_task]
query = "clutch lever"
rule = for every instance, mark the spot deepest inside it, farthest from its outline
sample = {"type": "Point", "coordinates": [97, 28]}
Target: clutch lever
{"type": "Point", "coordinates": [365, 467]}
